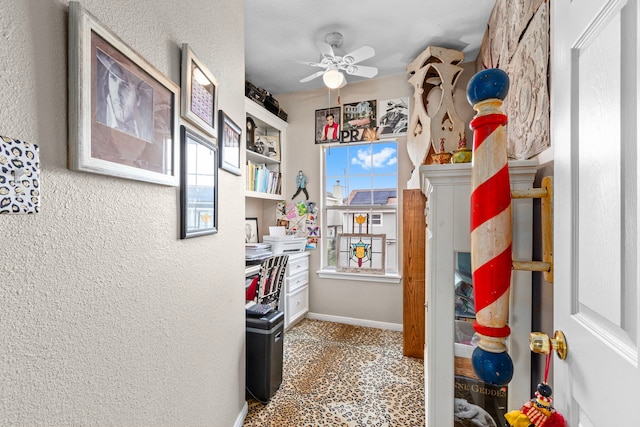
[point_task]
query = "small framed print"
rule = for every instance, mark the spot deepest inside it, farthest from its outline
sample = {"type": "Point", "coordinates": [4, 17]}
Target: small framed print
{"type": "Point", "coordinates": [251, 230]}
{"type": "Point", "coordinates": [268, 146]}
{"type": "Point", "coordinates": [359, 115]}
{"type": "Point", "coordinates": [123, 112]}
{"type": "Point", "coordinates": [327, 126]}
{"type": "Point", "coordinates": [229, 143]}
{"type": "Point", "coordinates": [199, 185]}
{"type": "Point", "coordinates": [199, 103]}
{"type": "Point", "coordinates": [393, 117]}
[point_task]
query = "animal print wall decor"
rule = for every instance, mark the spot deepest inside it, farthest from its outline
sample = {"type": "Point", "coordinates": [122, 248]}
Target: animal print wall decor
{"type": "Point", "coordinates": [19, 177]}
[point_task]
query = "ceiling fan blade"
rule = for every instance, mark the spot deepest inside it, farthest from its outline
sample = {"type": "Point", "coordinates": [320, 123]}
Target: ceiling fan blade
{"type": "Point", "coordinates": [361, 70]}
{"type": "Point", "coordinates": [365, 52]}
{"type": "Point", "coordinates": [326, 50]}
{"type": "Point", "coordinates": [312, 64]}
{"type": "Point", "coordinates": [312, 76]}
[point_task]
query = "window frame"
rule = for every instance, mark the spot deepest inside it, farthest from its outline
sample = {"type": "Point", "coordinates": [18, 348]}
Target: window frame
{"type": "Point", "coordinates": [327, 271]}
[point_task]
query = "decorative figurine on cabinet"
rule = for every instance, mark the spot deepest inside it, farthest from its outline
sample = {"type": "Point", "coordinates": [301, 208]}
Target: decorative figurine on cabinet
{"type": "Point", "coordinates": [441, 158]}
{"type": "Point", "coordinates": [463, 154]}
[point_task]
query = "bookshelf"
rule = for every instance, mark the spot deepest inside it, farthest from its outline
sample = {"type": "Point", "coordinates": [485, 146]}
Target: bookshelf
{"type": "Point", "coordinates": [265, 153]}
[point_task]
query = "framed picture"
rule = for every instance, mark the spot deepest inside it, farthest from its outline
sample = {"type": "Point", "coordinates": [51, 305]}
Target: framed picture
{"type": "Point", "coordinates": [122, 111]}
{"type": "Point", "coordinates": [327, 125]}
{"type": "Point", "coordinates": [361, 253]}
{"type": "Point", "coordinates": [359, 115]}
{"type": "Point", "coordinates": [393, 117]}
{"type": "Point", "coordinates": [229, 143]}
{"type": "Point", "coordinates": [269, 146]}
{"type": "Point", "coordinates": [199, 92]}
{"type": "Point", "coordinates": [199, 185]}
{"type": "Point", "coordinates": [251, 230]}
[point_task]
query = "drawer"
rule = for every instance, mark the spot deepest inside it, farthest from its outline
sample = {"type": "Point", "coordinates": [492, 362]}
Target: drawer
{"type": "Point", "coordinates": [298, 265]}
{"type": "Point", "coordinates": [295, 281]}
{"type": "Point", "coordinates": [297, 304]}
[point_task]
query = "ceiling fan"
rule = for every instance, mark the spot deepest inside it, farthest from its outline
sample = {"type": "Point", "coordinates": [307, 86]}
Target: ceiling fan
{"type": "Point", "coordinates": [334, 64]}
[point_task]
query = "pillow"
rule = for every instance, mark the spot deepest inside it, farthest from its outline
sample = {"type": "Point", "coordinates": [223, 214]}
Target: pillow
{"type": "Point", "coordinates": [252, 289]}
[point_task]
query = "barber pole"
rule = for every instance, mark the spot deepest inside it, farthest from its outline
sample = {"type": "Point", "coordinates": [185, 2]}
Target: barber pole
{"type": "Point", "coordinates": [490, 226]}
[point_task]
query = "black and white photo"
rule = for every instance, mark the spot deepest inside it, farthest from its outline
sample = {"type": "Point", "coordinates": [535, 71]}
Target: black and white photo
{"type": "Point", "coordinates": [393, 117]}
{"type": "Point", "coordinates": [123, 100]}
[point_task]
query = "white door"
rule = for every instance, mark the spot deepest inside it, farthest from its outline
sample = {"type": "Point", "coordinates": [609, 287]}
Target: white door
{"type": "Point", "coordinates": [595, 119]}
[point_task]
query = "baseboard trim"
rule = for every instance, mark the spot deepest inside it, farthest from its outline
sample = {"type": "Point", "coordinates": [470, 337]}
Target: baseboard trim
{"type": "Point", "coordinates": [356, 322]}
{"type": "Point", "coordinates": [241, 416]}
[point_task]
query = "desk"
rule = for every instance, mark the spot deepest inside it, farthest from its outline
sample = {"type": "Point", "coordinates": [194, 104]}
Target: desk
{"type": "Point", "coordinates": [294, 297]}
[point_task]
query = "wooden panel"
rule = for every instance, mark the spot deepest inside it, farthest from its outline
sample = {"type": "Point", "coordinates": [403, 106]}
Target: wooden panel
{"type": "Point", "coordinates": [413, 272]}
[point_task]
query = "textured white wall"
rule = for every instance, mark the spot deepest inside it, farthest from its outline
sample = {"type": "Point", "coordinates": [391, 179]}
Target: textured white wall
{"type": "Point", "coordinates": [379, 302]}
{"type": "Point", "coordinates": [106, 316]}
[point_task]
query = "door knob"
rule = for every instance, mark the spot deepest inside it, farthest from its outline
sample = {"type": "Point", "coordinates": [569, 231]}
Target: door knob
{"type": "Point", "coordinates": [539, 342]}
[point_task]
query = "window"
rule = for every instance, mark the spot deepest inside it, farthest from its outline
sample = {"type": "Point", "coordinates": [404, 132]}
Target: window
{"type": "Point", "coordinates": [360, 197]}
{"type": "Point", "coordinates": [376, 219]}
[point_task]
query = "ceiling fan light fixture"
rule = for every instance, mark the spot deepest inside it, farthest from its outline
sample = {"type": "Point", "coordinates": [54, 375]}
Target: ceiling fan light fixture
{"type": "Point", "coordinates": [333, 79]}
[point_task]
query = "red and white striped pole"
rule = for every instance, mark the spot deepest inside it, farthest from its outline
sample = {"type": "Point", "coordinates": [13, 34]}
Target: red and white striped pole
{"type": "Point", "coordinates": [490, 226]}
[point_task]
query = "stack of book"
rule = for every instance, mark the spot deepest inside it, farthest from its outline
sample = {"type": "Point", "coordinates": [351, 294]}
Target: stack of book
{"type": "Point", "coordinates": [255, 253]}
{"type": "Point", "coordinates": [262, 179]}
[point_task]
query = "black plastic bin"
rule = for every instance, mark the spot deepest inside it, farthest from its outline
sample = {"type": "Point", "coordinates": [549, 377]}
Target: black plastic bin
{"type": "Point", "coordinates": [265, 337]}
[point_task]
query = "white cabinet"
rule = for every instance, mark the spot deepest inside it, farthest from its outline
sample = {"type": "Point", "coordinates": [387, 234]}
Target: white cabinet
{"type": "Point", "coordinates": [448, 189]}
{"type": "Point", "coordinates": [295, 293]}
{"type": "Point", "coordinates": [266, 136]}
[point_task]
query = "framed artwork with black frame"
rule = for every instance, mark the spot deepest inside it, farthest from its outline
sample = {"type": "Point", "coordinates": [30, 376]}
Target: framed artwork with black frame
{"type": "Point", "coordinates": [199, 185]}
{"type": "Point", "coordinates": [327, 126]}
{"type": "Point", "coordinates": [199, 92]}
{"type": "Point", "coordinates": [229, 143]}
{"type": "Point", "coordinates": [123, 112]}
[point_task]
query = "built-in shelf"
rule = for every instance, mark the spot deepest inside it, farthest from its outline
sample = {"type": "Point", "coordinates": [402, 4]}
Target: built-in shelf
{"type": "Point", "coordinates": [265, 173]}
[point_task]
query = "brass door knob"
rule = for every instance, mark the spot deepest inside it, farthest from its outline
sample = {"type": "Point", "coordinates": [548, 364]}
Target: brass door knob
{"type": "Point", "coordinates": [539, 342]}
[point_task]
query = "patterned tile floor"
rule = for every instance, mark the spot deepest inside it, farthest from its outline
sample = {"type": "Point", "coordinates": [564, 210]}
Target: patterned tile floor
{"type": "Point", "coordinates": [342, 375]}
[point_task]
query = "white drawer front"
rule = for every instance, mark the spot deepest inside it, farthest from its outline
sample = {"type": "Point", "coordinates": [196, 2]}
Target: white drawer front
{"type": "Point", "coordinates": [297, 280]}
{"type": "Point", "coordinates": [298, 265]}
{"type": "Point", "coordinates": [297, 304]}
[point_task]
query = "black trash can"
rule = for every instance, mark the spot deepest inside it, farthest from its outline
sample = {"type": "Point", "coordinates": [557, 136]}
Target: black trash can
{"type": "Point", "coordinates": [264, 338]}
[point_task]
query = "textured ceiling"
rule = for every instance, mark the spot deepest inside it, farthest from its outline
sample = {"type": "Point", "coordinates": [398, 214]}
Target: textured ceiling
{"type": "Point", "coordinates": [280, 32]}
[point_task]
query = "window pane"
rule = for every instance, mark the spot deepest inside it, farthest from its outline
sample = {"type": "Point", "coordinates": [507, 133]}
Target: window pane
{"type": "Point", "coordinates": [386, 187]}
{"type": "Point", "coordinates": [361, 182]}
{"type": "Point", "coordinates": [374, 159]}
{"type": "Point", "coordinates": [336, 191]}
{"type": "Point", "coordinates": [336, 163]}
{"type": "Point", "coordinates": [360, 190]}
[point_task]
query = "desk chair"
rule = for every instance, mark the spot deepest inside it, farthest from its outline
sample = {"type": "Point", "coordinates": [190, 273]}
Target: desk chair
{"type": "Point", "coordinates": [265, 288]}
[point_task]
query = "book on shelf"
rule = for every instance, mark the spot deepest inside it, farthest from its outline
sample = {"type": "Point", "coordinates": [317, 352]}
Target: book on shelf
{"type": "Point", "coordinates": [262, 179]}
{"type": "Point", "coordinates": [477, 403]}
